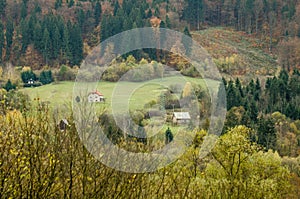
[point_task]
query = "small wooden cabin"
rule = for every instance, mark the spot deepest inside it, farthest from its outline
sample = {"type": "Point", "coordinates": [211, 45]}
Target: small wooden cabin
{"type": "Point", "coordinates": [181, 117]}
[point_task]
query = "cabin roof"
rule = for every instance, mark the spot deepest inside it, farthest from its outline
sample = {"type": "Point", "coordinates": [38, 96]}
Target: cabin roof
{"type": "Point", "coordinates": [182, 115]}
{"type": "Point", "coordinates": [96, 93]}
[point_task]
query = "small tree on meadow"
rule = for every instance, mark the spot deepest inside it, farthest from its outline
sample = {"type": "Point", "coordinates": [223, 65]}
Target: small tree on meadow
{"type": "Point", "coordinates": [46, 77]}
{"type": "Point", "coordinates": [9, 86]}
{"type": "Point", "coordinates": [169, 136]}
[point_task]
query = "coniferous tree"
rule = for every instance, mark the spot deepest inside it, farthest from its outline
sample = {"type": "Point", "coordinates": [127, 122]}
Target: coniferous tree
{"type": "Point", "coordinates": [284, 76]}
{"type": "Point", "coordinates": [239, 92]}
{"type": "Point", "coordinates": [221, 103]}
{"type": "Point", "coordinates": [187, 42]}
{"type": "Point", "coordinates": [193, 13]}
{"type": "Point", "coordinates": [294, 84]}
{"type": "Point", "coordinates": [66, 53]}
{"type": "Point", "coordinates": [76, 45]}
{"type": "Point", "coordinates": [249, 7]}
{"type": "Point", "coordinates": [231, 95]}
{"type": "Point", "coordinates": [9, 37]}
{"type": "Point", "coordinates": [127, 6]}
{"type": "Point", "coordinates": [266, 133]}
{"type": "Point", "coordinates": [224, 82]}
{"type": "Point", "coordinates": [46, 45]}
{"type": "Point", "coordinates": [253, 110]}
{"type": "Point", "coordinates": [28, 75]}
{"type": "Point", "coordinates": [168, 22]}
{"type": "Point", "coordinates": [104, 31]}
{"type": "Point", "coordinates": [149, 13]}
{"type": "Point", "coordinates": [116, 7]}
{"type": "Point", "coordinates": [251, 87]}
{"type": "Point", "coordinates": [37, 8]}
{"type": "Point", "coordinates": [2, 7]}
{"type": "Point", "coordinates": [30, 30]}
{"type": "Point", "coordinates": [231, 120]}
{"type": "Point", "coordinates": [56, 43]}
{"type": "Point", "coordinates": [1, 41]}
{"type": "Point", "coordinates": [9, 86]}
{"type": "Point", "coordinates": [97, 13]}
{"type": "Point", "coordinates": [23, 10]}
{"type": "Point", "coordinates": [25, 37]}
{"type": "Point", "coordinates": [257, 90]}
{"type": "Point", "coordinates": [38, 36]}
{"type": "Point", "coordinates": [71, 3]}
{"type": "Point", "coordinates": [117, 23]}
{"type": "Point", "coordinates": [246, 120]}
{"type": "Point", "coordinates": [187, 32]}
{"type": "Point", "coordinates": [46, 77]}
{"type": "Point", "coordinates": [156, 12]}
{"type": "Point", "coordinates": [81, 20]}
{"type": "Point", "coordinates": [139, 20]}
{"type": "Point", "coordinates": [127, 23]}
{"type": "Point", "coordinates": [169, 136]}
{"type": "Point", "coordinates": [163, 38]}
{"type": "Point", "coordinates": [58, 4]}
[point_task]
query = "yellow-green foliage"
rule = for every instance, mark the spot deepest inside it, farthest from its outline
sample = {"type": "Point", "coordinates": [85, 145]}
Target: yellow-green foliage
{"type": "Point", "coordinates": [39, 161]}
{"type": "Point", "coordinates": [240, 170]}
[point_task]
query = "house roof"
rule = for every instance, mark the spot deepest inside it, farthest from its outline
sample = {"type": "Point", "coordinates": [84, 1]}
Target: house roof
{"type": "Point", "coordinates": [96, 92]}
{"type": "Point", "coordinates": [182, 115]}
{"type": "Point", "coordinates": [65, 121]}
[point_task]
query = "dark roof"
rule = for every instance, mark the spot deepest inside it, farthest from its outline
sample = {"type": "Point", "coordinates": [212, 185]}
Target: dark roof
{"type": "Point", "coordinates": [65, 121]}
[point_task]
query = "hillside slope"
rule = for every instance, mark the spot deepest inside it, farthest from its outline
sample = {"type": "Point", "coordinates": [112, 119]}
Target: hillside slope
{"type": "Point", "coordinates": [237, 54]}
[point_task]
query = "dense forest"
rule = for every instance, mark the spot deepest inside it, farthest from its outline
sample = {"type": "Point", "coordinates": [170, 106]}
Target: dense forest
{"type": "Point", "coordinates": [62, 32]}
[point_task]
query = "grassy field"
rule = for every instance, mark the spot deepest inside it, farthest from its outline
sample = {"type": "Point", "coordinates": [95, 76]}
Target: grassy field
{"type": "Point", "coordinates": [59, 94]}
{"type": "Point", "coordinates": [138, 93]}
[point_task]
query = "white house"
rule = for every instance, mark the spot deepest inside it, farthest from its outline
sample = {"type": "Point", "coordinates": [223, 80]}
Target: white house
{"type": "Point", "coordinates": [181, 117]}
{"type": "Point", "coordinates": [96, 97]}
{"type": "Point", "coordinates": [30, 82]}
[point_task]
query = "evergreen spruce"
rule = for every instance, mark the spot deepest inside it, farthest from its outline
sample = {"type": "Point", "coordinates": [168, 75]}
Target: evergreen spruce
{"type": "Point", "coordinates": [1, 41]}
{"type": "Point", "coordinates": [9, 86]}
{"type": "Point", "coordinates": [169, 136]}
{"type": "Point", "coordinates": [97, 13]}
{"type": "Point", "coordinates": [9, 37]}
{"type": "Point", "coordinates": [187, 42]}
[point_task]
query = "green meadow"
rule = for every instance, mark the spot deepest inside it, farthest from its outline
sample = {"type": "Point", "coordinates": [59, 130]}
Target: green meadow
{"type": "Point", "coordinates": [124, 95]}
{"type": "Point", "coordinates": [136, 94]}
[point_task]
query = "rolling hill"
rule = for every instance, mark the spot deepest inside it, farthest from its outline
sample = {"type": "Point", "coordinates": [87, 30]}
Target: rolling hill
{"type": "Point", "coordinates": [236, 53]}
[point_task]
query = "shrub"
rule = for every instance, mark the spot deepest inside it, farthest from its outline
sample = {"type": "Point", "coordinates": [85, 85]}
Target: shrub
{"type": "Point", "coordinates": [66, 74]}
{"type": "Point", "coordinates": [28, 75]}
{"type": "Point", "coordinates": [9, 86]}
{"type": "Point", "coordinates": [46, 77]}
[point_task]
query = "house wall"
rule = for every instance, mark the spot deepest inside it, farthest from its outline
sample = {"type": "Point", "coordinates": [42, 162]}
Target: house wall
{"type": "Point", "coordinates": [179, 121]}
{"type": "Point", "coordinates": [95, 98]}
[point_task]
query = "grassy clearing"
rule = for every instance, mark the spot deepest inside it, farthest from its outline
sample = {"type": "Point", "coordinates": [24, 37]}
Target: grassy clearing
{"type": "Point", "coordinates": [138, 94]}
{"type": "Point", "coordinates": [135, 94]}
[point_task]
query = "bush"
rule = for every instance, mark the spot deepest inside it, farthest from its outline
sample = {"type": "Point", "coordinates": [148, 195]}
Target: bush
{"type": "Point", "coordinates": [11, 100]}
{"type": "Point", "coordinates": [9, 86]}
{"type": "Point", "coordinates": [66, 74]}
{"type": "Point", "coordinates": [46, 77]}
{"type": "Point", "coordinates": [28, 75]}
{"type": "Point", "coordinates": [190, 72]}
